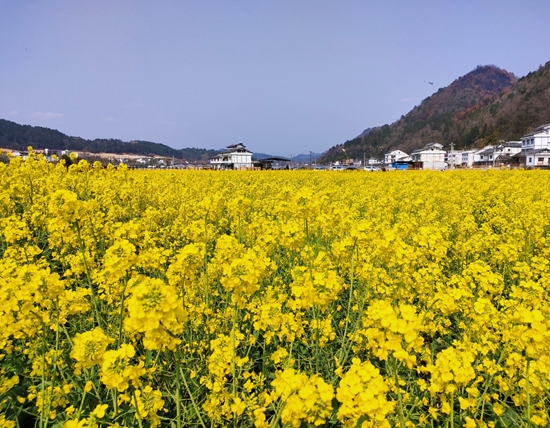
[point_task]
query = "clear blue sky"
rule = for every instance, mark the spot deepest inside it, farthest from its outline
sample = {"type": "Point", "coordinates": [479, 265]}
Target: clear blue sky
{"type": "Point", "coordinates": [283, 76]}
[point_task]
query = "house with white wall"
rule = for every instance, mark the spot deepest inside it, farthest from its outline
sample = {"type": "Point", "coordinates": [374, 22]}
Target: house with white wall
{"type": "Point", "coordinates": [504, 152]}
{"type": "Point", "coordinates": [538, 139]}
{"type": "Point", "coordinates": [481, 156]}
{"type": "Point", "coordinates": [373, 161]}
{"type": "Point", "coordinates": [468, 158]}
{"type": "Point", "coordinates": [454, 158]}
{"type": "Point", "coordinates": [394, 156]}
{"type": "Point", "coordinates": [235, 156]}
{"type": "Point", "coordinates": [431, 156]}
{"type": "Point", "coordinates": [536, 158]}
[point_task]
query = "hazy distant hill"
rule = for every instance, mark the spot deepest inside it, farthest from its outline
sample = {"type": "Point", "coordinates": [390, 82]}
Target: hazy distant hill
{"type": "Point", "coordinates": [480, 107]}
{"type": "Point", "coordinates": [19, 137]}
{"type": "Point", "coordinates": [301, 158]}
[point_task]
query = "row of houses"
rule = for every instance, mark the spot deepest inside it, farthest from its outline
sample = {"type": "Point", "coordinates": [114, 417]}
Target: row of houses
{"type": "Point", "coordinates": [532, 151]}
{"type": "Point", "coordinates": [48, 153]}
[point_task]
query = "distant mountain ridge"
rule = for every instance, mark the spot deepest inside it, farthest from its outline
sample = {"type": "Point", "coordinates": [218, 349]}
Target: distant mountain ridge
{"type": "Point", "coordinates": [483, 106]}
{"type": "Point", "coordinates": [19, 137]}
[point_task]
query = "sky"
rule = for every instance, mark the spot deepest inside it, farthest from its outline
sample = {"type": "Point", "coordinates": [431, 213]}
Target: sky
{"type": "Point", "coordinates": [282, 76]}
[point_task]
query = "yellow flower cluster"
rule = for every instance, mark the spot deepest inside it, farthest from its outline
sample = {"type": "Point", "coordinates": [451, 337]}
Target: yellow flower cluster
{"type": "Point", "coordinates": [116, 370]}
{"type": "Point", "coordinates": [306, 399]}
{"type": "Point", "coordinates": [363, 394]}
{"type": "Point", "coordinates": [209, 298]}
{"type": "Point", "coordinates": [154, 310]}
{"type": "Point", "coordinates": [88, 348]}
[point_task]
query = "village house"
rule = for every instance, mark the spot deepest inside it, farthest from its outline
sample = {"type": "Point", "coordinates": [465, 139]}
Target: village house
{"type": "Point", "coordinates": [499, 155]}
{"type": "Point", "coordinates": [373, 161]}
{"type": "Point", "coordinates": [394, 156]}
{"type": "Point", "coordinates": [481, 156]}
{"type": "Point", "coordinates": [535, 148]}
{"type": "Point", "coordinates": [235, 156]}
{"type": "Point", "coordinates": [539, 158]}
{"type": "Point", "coordinates": [503, 154]}
{"type": "Point", "coordinates": [468, 158]}
{"type": "Point", "coordinates": [454, 158]}
{"type": "Point", "coordinates": [538, 139]}
{"type": "Point", "coordinates": [431, 156]}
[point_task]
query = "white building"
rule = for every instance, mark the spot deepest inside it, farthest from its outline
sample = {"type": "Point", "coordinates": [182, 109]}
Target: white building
{"type": "Point", "coordinates": [454, 158]}
{"type": "Point", "coordinates": [468, 158]}
{"type": "Point", "coordinates": [373, 161]}
{"type": "Point", "coordinates": [431, 156]}
{"type": "Point", "coordinates": [481, 156]}
{"type": "Point", "coordinates": [537, 158]}
{"type": "Point", "coordinates": [499, 155]}
{"type": "Point", "coordinates": [236, 156]}
{"type": "Point", "coordinates": [394, 156]}
{"type": "Point", "coordinates": [502, 154]}
{"type": "Point", "coordinates": [538, 139]}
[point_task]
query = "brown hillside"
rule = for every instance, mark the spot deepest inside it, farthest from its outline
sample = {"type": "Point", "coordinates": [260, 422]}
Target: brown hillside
{"type": "Point", "coordinates": [482, 106]}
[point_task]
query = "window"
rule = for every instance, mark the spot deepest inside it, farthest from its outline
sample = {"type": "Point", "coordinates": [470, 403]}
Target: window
{"type": "Point", "coordinates": [530, 160]}
{"type": "Point", "coordinates": [540, 159]}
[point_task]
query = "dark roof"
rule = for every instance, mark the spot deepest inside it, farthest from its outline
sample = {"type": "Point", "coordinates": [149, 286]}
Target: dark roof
{"type": "Point", "coordinates": [537, 130]}
{"type": "Point", "coordinates": [531, 152]}
{"type": "Point", "coordinates": [236, 149]}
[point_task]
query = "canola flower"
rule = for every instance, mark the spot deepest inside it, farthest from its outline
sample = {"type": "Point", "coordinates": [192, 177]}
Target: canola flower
{"type": "Point", "coordinates": [282, 298]}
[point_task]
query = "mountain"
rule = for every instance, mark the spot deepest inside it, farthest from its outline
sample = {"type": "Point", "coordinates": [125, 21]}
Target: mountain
{"type": "Point", "coordinates": [301, 158]}
{"type": "Point", "coordinates": [19, 137]}
{"type": "Point", "coordinates": [486, 105]}
{"type": "Point", "coordinates": [365, 132]}
{"type": "Point", "coordinates": [305, 158]}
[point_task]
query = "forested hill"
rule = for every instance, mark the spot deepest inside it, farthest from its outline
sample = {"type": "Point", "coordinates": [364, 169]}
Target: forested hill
{"type": "Point", "coordinates": [486, 105]}
{"type": "Point", "coordinates": [19, 137]}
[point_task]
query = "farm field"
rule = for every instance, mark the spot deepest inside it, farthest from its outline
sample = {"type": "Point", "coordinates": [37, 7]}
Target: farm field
{"type": "Point", "coordinates": [273, 298]}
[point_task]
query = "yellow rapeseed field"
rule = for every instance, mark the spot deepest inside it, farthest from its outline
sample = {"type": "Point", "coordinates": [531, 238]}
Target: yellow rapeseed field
{"type": "Point", "coordinates": [280, 298]}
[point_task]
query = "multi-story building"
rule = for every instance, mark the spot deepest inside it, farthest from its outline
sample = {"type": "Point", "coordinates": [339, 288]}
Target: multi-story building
{"type": "Point", "coordinates": [538, 139]}
{"type": "Point", "coordinates": [236, 156]}
{"type": "Point", "coordinates": [431, 156]}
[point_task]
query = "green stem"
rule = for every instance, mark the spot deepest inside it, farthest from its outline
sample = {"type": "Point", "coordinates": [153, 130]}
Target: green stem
{"type": "Point", "coordinates": [277, 415]}
{"type": "Point", "coordinates": [178, 404]}
{"type": "Point", "coordinates": [317, 327]}
{"type": "Point", "coordinates": [42, 422]}
{"type": "Point", "coordinates": [88, 276]}
{"type": "Point", "coordinates": [137, 410]}
{"type": "Point", "coordinates": [399, 397]}
{"type": "Point", "coordinates": [197, 410]}
{"type": "Point", "coordinates": [452, 410]}
{"type": "Point", "coordinates": [233, 366]}
{"type": "Point", "coordinates": [527, 393]}
{"type": "Point", "coordinates": [122, 298]}
{"type": "Point", "coordinates": [352, 280]}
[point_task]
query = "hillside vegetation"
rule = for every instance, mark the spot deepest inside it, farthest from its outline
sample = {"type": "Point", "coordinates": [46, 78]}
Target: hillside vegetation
{"type": "Point", "coordinates": [19, 137]}
{"type": "Point", "coordinates": [486, 105]}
